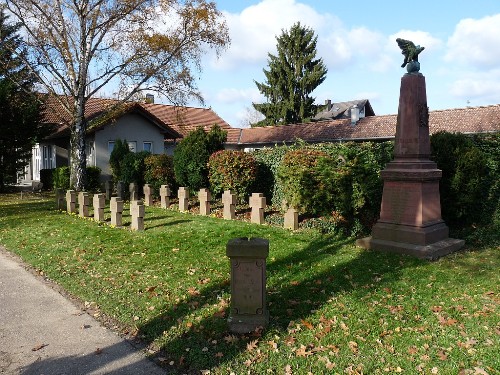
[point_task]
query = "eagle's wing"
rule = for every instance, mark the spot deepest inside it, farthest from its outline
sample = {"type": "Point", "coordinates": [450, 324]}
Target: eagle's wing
{"type": "Point", "coordinates": [405, 45]}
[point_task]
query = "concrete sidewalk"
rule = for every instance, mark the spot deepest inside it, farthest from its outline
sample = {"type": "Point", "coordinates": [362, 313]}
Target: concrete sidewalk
{"type": "Point", "coordinates": [41, 332]}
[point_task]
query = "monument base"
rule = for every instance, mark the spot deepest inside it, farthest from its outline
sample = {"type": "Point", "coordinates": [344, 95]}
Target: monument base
{"type": "Point", "coordinates": [430, 251]}
{"type": "Point", "coordinates": [247, 323]}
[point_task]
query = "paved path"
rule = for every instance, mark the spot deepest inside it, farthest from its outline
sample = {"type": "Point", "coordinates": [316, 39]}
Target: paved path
{"type": "Point", "coordinates": [43, 333]}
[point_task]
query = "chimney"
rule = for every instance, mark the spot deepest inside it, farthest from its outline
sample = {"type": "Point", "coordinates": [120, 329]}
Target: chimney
{"type": "Point", "coordinates": [328, 104]}
{"type": "Point", "coordinates": [150, 98]}
{"type": "Point", "coordinates": [354, 115]}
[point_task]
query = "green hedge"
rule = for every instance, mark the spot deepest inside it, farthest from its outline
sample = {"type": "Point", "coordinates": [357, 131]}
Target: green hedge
{"type": "Point", "coordinates": [60, 179]}
{"type": "Point", "coordinates": [159, 170]}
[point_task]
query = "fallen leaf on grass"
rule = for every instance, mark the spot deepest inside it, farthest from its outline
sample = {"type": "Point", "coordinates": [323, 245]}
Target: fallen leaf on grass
{"type": "Point", "coordinates": [353, 346]}
{"type": "Point", "coordinates": [219, 355]}
{"type": "Point", "coordinates": [252, 345]}
{"type": "Point", "coordinates": [231, 339]}
{"type": "Point", "coordinates": [38, 347]}
{"type": "Point", "coordinates": [442, 355]}
{"type": "Point", "coordinates": [306, 324]}
{"type": "Point", "coordinates": [303, 352]}
{"type": "Point", "coordinates": [436, 309]}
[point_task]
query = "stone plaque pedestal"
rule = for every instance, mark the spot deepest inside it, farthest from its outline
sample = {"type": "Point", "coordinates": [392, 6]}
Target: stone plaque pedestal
{"type": "Point", "coordinates": [248, 284]}
{"type": "Point", "coordinates": [410, 215]}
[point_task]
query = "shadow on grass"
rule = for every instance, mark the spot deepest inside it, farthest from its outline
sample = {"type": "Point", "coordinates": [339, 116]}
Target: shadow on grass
{"type": "Point", "coordinates": [166, 224]}
{"type": "Point", "coordinates": [295, 289]}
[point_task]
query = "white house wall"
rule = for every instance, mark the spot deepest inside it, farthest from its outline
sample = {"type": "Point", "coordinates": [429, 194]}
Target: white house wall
{"type": "Point", "coordinates": [132, 128]}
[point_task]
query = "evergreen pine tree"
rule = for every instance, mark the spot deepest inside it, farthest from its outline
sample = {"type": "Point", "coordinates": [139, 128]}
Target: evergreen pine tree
{"type": "Point", "coordinates": [19, 106]}
{"type": "Point", "coordinates": [293, 75]}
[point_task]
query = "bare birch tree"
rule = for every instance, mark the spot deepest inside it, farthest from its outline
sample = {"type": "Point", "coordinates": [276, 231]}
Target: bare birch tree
{"type": "Point", "coordinates": [77, 47]}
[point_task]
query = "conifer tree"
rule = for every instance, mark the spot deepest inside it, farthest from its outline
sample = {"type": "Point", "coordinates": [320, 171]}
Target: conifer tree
{"type": "Point", "coordinates": [294, 73]}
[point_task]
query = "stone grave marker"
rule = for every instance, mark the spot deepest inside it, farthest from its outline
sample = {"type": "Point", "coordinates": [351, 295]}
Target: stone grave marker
{"type": "Point", "coordinates": [60, 199]}
{"type": "Point", "coordinates": [248, 284]}
{"type": "Point", "coordinates": [204, 198]}
{"type": "Point", "coordinates": [120, 190]}
{"type": "Point", "coordinates": [148, 195]}
{"type": "Point", "coordinates": [108, 187]}
{"type": "Point", "coordinates": [258, 204]}
{"type": "Point", "coordinates": [83, 204]}
{"type": "Point", "coordinates": [133, 191]}
{"type": "Point", "coordinates": [99, 202]}
{"type": "Point", "coordinates": [116, 206]}
{"type": "Point", "coordinates": [183, 195]}
{"type": "Point", "coordinates": [229, 201]}
{"type": "Point", "coordinates": [165, 196]}
{"type": "Point", "coordinates": [137, 211]}
{"type": "Point", "coordinates": [291, 219]}
{"type": "Point", "coordinates": [71, 201]}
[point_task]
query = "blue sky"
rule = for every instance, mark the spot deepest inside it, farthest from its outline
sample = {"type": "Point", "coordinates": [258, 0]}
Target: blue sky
{"type": "Point", "coordinates": [356, 40]}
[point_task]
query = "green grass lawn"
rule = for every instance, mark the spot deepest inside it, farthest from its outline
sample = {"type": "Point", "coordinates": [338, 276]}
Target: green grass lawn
{"type": "Point", "coordinates": [334, 308]}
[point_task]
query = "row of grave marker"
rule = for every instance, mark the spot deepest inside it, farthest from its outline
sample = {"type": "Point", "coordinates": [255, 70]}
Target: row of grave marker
{"type": "Point", "coordinates": [257, 203]}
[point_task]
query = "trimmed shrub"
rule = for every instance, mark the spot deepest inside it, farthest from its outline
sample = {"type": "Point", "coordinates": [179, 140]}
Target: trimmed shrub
{"type": "Point", "coordinates": [60, 178]}
{"type": "Point", "coordinates": [120, 150]}
{"type": "Point", "coordinates": [46, 178]}
{"type": "Point", "coordinates": [133, 168]}
{"type": "Point", "coordinates": [93, 179]}
{"type": "Point", "coordinates": [235, 170]}
{"type": "Point", "coordinates": [159, 171]}
{"type": "Point", "coordinates": [268, 162]}
{"type": "Point", "coordinates": [191, 156]}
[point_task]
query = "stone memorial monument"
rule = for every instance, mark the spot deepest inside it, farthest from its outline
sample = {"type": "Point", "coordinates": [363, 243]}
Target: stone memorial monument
{"type": "Point", "coordinates": [165, 196]}
{"type": "Point", "coordinates": [137, 211]}
{"type": "Point", "coordinates": [83, 204]}
{"type": "Point", "coordinates": [248, 284]}
{"type": "Point", "coordinates": [291, 219]}
{"type": "Point", "coordinates": [108, 187]}
{"type": "Point", "coordinates": [410, 215]}
{"type": "Point", "coordinates": [120, 190]}
{"type": "Point", "coordinates": [183, 195]}
{"type": "Point", "coordinates": [148, 195]}
{"type": "Point", "coordinates": [133, 191]}
{"type": "Point", "coordinates": [99, 202]}
{"type": "Point", "coordinates": [71, 201]}
{"type": "Point", "coordinates": [60, 199]}
{"type": "Point", "coordinates": [258, 204]}
{"type": "Point", "coordinates": [204, 198]}
{"type": "Point", "coordinates": [229, 201]}
{"type": "Point", "coordinates": [116, 206]}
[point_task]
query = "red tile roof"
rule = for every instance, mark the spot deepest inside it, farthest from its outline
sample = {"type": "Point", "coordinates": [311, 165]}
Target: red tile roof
{"type": "Point", "coordinates": [177, 121]}
{"type": "Point", "coordinates": [464, 120]}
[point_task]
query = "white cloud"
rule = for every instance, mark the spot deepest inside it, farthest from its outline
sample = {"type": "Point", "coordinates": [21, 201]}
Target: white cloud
{"type": "Point", "coordinates": [476, 42]}
{"type": "Point", "coordinates": [233, 95]}
{"type": "Point", "coordinates": [478, 87]}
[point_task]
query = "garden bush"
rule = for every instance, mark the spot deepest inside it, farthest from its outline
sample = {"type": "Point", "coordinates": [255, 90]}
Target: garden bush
{"type": "Point", "coordinates": [235, 170]}
{"type": "Point", "coordinates": [159, 170]}
{"type": "Point", "coordinates": [120, 151]}
{"type": "Point", "coordinates": [191, 156]}
{"type": "Point", "coordinates": [93, 184]}
{"type": "Point", "coordinates": [133, 168]}
{"type": "Point", "coordinates": [268, 162]}
{"type": "Point", "coordinates": [60, 178]}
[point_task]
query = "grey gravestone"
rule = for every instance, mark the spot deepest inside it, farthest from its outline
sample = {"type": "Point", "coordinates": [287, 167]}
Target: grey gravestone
{"type": "Point", "coordinates": [148, 195]}
{"type": "Point", "coordinates": [165, 196]}
{"type": "Point", "coordinates": [258, 204]}
{"type": "Point", "coordinates": [99, 202]}
{"type": "Point", "coordinates": [108, 186]}
{"type": "Point", "coordinates": [204, 198]}
{"type": "Point", "coordinates": [291, 219]}
{"type": "Point", "coordinates": [183, 195]}
{"type": "Point", "coordinates": [248, 284]}
{"type": "Point", "coordinates": [120, 190]}
{"type": "Point", "coordinates": [133, 193]}
{"type": "Point", "coordinates": [137, 211]}
{"type": "Point", "coordinates": [83, 204]}
{"type": "Point", "coordinates": [229, 201]}
{"type": "Point", "coordinates": [116, 206]}
{"type": "Point", "coordinates": [60, 199]}
{"type": "Point", "coordinates": [71, 201]}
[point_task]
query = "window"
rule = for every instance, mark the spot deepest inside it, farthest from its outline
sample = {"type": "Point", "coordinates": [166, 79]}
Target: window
{"type": "Point", "coordinates": [148, 146]}
{"type": "Point", "coordinates": [111, 146]}
{"type": "Point", "coordinates": [47, 157]}
{"type": "Point", "coordinates": [132, 146]}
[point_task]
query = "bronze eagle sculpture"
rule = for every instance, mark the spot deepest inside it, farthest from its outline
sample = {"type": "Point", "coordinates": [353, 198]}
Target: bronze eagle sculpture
{"type": "Point", "coordinates": [409, 50]}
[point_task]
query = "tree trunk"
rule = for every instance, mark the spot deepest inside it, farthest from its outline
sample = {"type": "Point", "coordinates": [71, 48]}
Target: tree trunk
{"type": "Point", "coordinates": [78, 165]}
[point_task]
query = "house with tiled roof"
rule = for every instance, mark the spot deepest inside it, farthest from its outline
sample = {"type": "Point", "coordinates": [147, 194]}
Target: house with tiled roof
{"type": "Point", "coordinates": [469, 120]}
{"type": "Point", "coordinates": [146, 127]}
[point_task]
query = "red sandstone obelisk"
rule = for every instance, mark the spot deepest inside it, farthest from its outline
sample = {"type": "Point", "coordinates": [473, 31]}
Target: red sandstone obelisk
{"type": "Point", "coordinates": [410, 215]}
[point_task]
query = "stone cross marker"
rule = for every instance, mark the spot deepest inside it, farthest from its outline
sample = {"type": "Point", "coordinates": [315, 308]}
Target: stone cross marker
{"type": "Point", "coordinates": [137, 211]}
{"type": "Point", "coordinates": [248, 284]}
{"type": "Point", "coordinates": [148, 195]}
{"type": "Point", "coordinates": [120, 190]}
{"type": "Point", "coordinates": [204, 198]}
{"type": "Point", "coordinates": [99, 202]}
{"type": "Point", "coordinates": [291, 219]}
{"type": "Point", "coordinates": [165, 196]}
{"type": "Point", "coordinates": [133, 191]}
{"type": "Point", "coordinates": [83, 203]}
{"type": "Point", "coordinates": [183, 195]}
{"type": "Point", "coordinates": [71, 201]}
{"type": "Point", "coordinates": [60, 199]}
{"type": "Point", "coordinates": [116, 206]}
{"type": "Point", "coordinates": [229, 201]}
{"type": "Point", "coordinates": [258, 204]}
{"type": "Point", "coordinates": [108, 186]}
